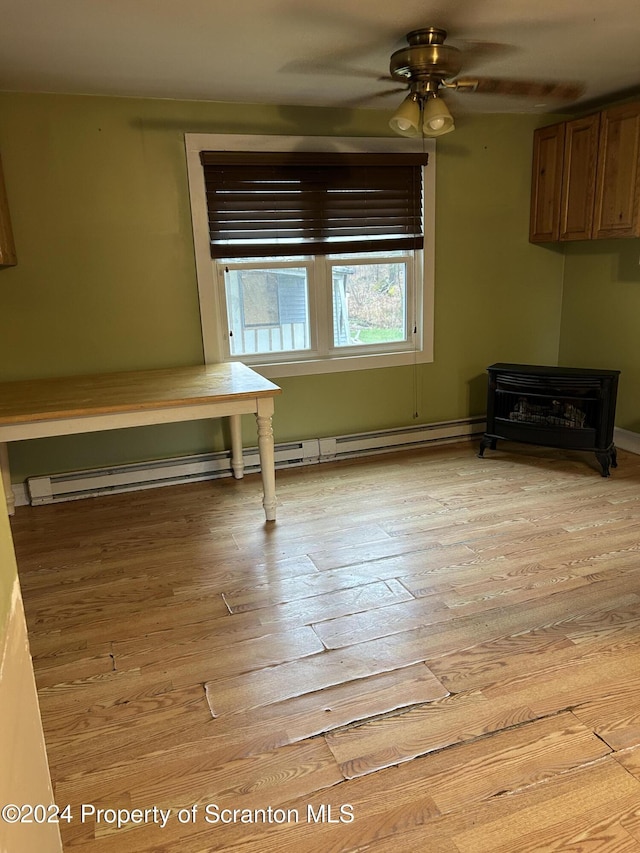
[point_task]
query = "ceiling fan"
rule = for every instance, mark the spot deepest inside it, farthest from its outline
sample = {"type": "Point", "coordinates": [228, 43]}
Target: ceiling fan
{"type": "Point", "coordinates": [427, 65]}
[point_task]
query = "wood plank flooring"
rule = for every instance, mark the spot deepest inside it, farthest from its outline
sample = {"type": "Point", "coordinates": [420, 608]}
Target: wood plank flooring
{"type": "Point", "coordinates": [428, 651]}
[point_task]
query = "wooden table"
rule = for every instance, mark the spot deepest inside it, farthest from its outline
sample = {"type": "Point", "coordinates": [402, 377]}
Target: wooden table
{"type": "Point", "coordinates": [77, 404]}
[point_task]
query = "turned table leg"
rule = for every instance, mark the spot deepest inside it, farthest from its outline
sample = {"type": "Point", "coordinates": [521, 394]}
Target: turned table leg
{"type": "Point", "coordinates": [237, 459]}
{"type": "Point", "coordinates": [267, 456]}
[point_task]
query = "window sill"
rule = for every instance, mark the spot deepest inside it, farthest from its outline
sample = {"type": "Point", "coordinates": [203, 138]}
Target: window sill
{"type": "Point", "coordinates": [338, 364]}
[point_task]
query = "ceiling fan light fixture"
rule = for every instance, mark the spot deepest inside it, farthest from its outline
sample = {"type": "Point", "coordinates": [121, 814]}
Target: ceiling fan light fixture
{"type": "Point", "coordinates": [437, 120]}
{"type": "Point", "coordinates": [406, 119]}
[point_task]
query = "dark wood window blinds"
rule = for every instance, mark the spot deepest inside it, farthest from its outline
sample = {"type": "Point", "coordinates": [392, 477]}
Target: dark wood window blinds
{"type": "Point", "coordinates": [302, 203]}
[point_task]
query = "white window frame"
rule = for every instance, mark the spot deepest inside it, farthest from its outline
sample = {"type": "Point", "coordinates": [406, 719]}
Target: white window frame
{"type": "Point", "coordinates": [210, 289]}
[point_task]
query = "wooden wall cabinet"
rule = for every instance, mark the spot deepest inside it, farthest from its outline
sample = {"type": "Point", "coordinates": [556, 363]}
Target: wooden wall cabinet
{"type": "Point", "coordinates": [597, 192]}
{"type": "Point", "coordinates": [7, 246]}
{"type": "Point", "coordinates": [578, 190]}
{"type": "Point", "coordinates": [618, 183]}
{"type": "Point", "coordinates": [546, 185]}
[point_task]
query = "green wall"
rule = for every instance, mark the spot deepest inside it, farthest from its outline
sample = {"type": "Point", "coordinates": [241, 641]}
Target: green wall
{"type": "Point", "coordinates": [106, 276]}
{"type": "Point", "coordinates": [601, 316]}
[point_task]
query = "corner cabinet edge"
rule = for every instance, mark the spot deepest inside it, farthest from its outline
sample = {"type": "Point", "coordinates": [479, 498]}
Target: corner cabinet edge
{"type": "Point", "coordinates": [7, 246]}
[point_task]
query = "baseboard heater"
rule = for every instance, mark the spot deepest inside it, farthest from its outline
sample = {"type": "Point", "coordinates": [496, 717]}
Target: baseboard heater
{"type": "Point", "coordinates": [75, 485]}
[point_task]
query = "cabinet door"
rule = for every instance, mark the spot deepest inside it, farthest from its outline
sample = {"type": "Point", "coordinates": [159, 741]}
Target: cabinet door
{"type": "Point", "coordinates": [546, 184]}
{"type": "Point", "coordinates": [7, 248]}
{"type": "Point", "coordinates": [618, 184]}
{"type": "Point", "coordinates": [579, 178]}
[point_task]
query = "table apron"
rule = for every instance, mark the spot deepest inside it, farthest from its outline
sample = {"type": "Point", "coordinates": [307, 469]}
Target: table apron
{"type": "Point", "coordinates": [121, 420]}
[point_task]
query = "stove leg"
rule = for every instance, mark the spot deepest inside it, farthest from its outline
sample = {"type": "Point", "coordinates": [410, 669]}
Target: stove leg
{"type": "Point", "coordinates": [486, 442]}
{"type": "Point", "coordinates": [605, 459]}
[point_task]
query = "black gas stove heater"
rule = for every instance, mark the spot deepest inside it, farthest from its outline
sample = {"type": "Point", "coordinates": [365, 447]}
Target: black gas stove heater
{"type": "Point", "coordinates": [566, 407]}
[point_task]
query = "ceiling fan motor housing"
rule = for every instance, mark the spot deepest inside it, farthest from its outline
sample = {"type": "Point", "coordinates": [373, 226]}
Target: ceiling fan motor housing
{"type": "Point", "coordinates": [426, 57]}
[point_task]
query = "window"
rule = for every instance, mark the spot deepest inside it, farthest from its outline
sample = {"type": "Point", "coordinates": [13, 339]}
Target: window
{"type": "Point", "coordinates": [270, 313]}
{"type": "Point", "coordinates": [311, 262]}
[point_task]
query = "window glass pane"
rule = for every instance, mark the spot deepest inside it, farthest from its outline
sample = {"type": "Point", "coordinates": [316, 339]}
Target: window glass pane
{"type": "Point", "coordinates": [369, 304]}
{"type": "Point", "coordinates": [267, 310]}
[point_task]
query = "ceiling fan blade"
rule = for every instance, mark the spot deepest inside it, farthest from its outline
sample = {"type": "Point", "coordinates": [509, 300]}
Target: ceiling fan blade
{"type": "Point", "coordinates": [328, 67]}
{"type": "Point", "coordinates": [478, 52]}
{"type": "Point", "coordinates": [400, 90]}
{"type": "Point", "coordinates": [371, 98]}
{"type": "Point", "coordinates": [518, 88]}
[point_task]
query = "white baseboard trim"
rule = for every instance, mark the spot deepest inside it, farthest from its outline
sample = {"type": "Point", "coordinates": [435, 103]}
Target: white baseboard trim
{"type": "Point", "coordinates": [75, 485]}
{"type": "Point", "coordinates": [20, 494]}
{"type": "Point", "coordinates": [625, 439]}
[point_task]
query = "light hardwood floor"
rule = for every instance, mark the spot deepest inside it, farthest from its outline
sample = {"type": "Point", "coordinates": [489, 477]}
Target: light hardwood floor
{"type": "Point", "coordinates": [428, 651]}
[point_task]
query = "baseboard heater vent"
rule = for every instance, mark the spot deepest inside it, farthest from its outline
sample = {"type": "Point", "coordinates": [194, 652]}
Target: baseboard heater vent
{"type": "Point", "coordinates": [386, 441]}
{"type": "Point", "coordinates": [75, 485]}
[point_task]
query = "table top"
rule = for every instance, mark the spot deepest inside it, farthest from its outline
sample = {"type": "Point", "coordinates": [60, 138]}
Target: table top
{"type": "Point", "coordinates": [30, 400]}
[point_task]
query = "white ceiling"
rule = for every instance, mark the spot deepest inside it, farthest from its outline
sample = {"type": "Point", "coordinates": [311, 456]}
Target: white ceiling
{"type": "Point", "coordinates": [307, 52]}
